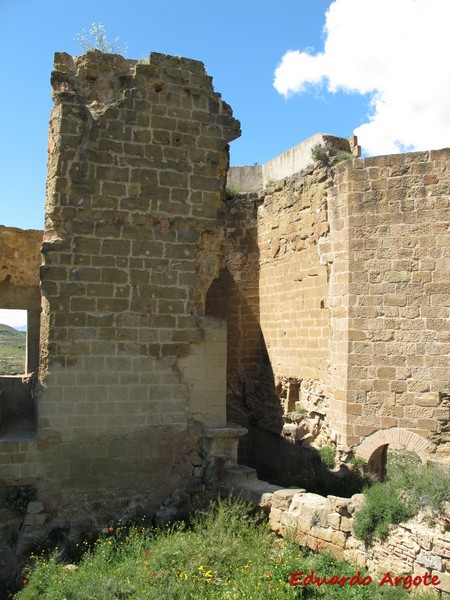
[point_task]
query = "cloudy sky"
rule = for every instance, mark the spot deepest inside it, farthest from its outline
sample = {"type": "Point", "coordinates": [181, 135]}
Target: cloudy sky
{"type": "Point", "coordinates": [289, 69]}
{"type": "Point", "coordinates": [395, 51]}
{"type": "Point", "coordinates": [13, 318]}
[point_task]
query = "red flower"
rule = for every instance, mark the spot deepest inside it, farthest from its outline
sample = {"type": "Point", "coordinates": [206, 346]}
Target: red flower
{"type": "Point", "coordinates": [153, 574]}
{"type": "Point", "coordinates": [145, 553]}
{"type": "Point", "coordinates": [151, 551]}
{"type": "Point", "coordinates": [111, 529]}
{"type": "Point", "coordinates": [25, 581]}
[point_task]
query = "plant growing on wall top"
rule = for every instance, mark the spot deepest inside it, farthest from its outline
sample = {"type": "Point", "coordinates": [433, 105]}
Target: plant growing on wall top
{"type": "Point", "coordinates": [96, 39]}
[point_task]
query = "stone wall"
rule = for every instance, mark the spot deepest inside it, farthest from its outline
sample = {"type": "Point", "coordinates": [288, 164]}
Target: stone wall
{"type": "Point", "coordinates": [320, 523]}
{"type": "Point", "coordinates": [234, 296]}
{"type": "Point", "coordinates": [138, 155]}
{"type": "Point", "coordinates": [276, 287]}
{"type": "Point", "coordinates": [294, 160]}
{"type": "Point", "coordinates": [19, 282]}
{"type": "Point", "coordinates": [352, 301]}
{"type": "Point", "coordinates": [395, 212]}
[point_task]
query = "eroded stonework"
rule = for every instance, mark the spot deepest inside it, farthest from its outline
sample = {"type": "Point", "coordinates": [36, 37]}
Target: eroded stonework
{"type": "Point", "coordinates": [137, 163]}
{"type": "Point", "coordinates": [313, 312]}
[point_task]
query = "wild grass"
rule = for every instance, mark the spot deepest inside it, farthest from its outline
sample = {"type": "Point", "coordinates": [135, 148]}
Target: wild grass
{"type": "Point", "coordinates": [226, 553]}
{"type": "Point", "coordinates": [409, 489]}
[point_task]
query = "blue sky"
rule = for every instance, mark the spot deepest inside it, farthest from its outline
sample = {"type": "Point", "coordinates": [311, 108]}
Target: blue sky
{"type": "Point", "coordinates": [241, 43]}
{"type": "Point", "coordinates": [288, 68]}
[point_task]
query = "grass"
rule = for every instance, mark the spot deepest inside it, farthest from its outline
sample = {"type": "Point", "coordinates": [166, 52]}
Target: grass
{"type": "Point", "coordinates": [328, 456]}
{"type": "Point", "coordinates": [410, 488]}
{"type": "Point", "coordinates": [231, 191]}
{"type": "Point", "coordinates": [383, 506]}
{"type": "Point", "coordinates": [226, 553]}
{"type": "Point", "coordinates": [322, 154]}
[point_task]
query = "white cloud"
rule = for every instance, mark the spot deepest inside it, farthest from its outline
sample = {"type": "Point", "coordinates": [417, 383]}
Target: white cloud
{"type": "Point", "coordinates": [13, 318]}
{"type": "Point", "coordinates": [395, 50]}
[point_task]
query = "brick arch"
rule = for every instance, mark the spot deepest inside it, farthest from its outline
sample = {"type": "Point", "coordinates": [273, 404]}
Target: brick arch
{"type": "Point", "coordinates": [397, 437]}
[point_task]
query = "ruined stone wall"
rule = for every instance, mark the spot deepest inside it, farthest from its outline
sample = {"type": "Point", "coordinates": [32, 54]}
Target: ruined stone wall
{"type": "Point", "coordinates": [395, 294]}
{"type": "Point", "coordinates": [326, 524]}
{"type": "Point", "coordinates": [352, 303]}
{"type": "Point", "coordinates": [20, 260]}
{"type": "Point", "coordinates": [293, 281]}
{"type": "Point", "coordinates": [138, 154]}
{"type": "Point", "coordinates": [234, 296]}
{"type": "Point", "coordinates": [274, 258]}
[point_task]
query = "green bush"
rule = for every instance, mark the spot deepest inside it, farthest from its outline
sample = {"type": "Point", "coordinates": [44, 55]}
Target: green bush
{"type": "Point", "coordinates": [344, 155]}
{"type": "Point", "coordinates": [411, 487]}
{"type": "Point", "coordinates": [17, 498]}
{"type": "Point", "coordinates": [427, 488]}
{"type": "Point", "coordinates": [327, 456]}
{"type": "Point", "coordinates": [320, 154]}
{"type": "Point", "coordinates": [231, 191]}
{"type": "Point", "coordinates": [383, 506]}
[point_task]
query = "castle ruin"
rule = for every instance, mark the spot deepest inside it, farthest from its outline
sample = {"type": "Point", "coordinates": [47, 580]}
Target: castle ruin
{"type": "Point", "coordinates": [167, 318]}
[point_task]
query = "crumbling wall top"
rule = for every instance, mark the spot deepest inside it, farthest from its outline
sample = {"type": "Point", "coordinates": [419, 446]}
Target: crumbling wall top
{"type": "Point", "coordinates": [99, 80]}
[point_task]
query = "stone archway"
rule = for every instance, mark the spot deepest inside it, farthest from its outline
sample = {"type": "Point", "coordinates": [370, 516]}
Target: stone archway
{"type": "Point", "coordinates": [373, 449]}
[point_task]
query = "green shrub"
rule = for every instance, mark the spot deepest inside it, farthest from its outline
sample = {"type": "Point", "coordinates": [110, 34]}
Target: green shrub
{"type": "Point", "coordinates": [427, 488]}
{"type": "Point", "coordinates": [320, 154]}
{"type": "Point", "coordinates": [327, 456]}
{"type": "Point", "coordinates": [411, 487]}
{"type": "Point", "coordinates": [383, 506]}
{"type": "Point", "coordinates": [357, 461]}
{"type": "Point", "coordinates": [344, 155]}
{"type": "Point", "coordinates": [231, 191]}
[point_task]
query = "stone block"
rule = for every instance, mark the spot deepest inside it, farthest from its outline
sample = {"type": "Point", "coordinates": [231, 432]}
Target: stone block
{"type": "Point", "coordinates": [35, 519]}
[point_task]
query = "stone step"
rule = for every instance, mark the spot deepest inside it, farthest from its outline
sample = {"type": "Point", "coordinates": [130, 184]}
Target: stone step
{"type": "Point", "coordinates": [225, 461]}
{"type": "Point", "coordinates": [255, 491]}
{"type": "Point", "coordinates": [239, 474]}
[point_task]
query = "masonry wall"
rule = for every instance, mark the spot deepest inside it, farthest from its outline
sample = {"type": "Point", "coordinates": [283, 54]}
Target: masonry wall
{"type": "Point", "coordinates": [352, 304]}
{"type": "Point", "coordinates": [138, 154]}
{"type": "Point", "coordinates": [19, 281]}
{"type": "Point", "coordinates": [326, 524]}
{"type": "Point", "coordinates": [395, 294]}
{"type": "Point", "coordinates": [274, 257]}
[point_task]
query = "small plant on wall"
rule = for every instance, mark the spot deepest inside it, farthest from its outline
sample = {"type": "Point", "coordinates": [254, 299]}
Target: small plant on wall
{"type": "Point", "coordinates": [320, 153]}
{"type": "Point", "coordinates": [96, 39]}
{"type": "Point", "coordinates": [327, 456]}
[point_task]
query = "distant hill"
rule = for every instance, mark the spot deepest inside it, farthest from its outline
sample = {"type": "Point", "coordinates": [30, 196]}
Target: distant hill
{"type": "Point", "coordinates": [12, 350]}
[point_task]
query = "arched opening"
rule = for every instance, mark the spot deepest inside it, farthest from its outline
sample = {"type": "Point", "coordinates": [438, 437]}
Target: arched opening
{"type": "Point", "coordinates": [387, 461]}
{"type": "Point", "coordinates": [377, 463]}
{"type": "Point", "coordinates": [378, 447]}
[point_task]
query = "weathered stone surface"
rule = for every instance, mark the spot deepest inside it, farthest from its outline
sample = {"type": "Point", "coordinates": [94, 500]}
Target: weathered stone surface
{"type": "Point", "coordinates": [333, 283]}
{"type": "Point", "coordinates": [35, 519]}
{"type": "Point", "coordinates": [35, 507]}
{"type": "Point", "coordinates": [405, 551]}
{"type": "Point", "coordinates": [137, 162]}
